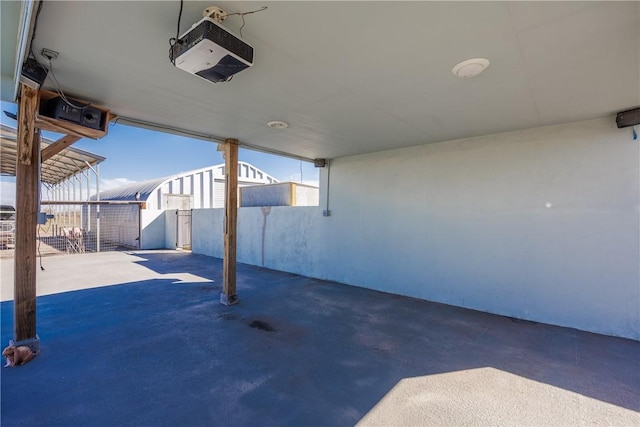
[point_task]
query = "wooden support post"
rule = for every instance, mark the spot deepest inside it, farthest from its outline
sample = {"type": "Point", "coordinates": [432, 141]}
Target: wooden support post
{"type": "Point", "coordinates": [58, 146]}
{"type": "Point", "coordinates": [27, 192]}
{"type": "Point", "coordinates": [229, 296]}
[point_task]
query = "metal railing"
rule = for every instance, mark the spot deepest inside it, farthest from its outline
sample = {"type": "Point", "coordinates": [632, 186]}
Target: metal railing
{"type": "Point", "coordinates": [7, 234]}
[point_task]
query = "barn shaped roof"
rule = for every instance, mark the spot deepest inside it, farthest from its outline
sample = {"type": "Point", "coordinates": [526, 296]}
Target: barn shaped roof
{"type": "Point", "coordinates": [129, 191]}
{"type": "Point", "coordinates": [246, 171]}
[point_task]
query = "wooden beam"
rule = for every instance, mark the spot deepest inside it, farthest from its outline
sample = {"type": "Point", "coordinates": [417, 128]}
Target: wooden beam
{"type": "Point", "coordinates": [229, 295]}
{"type": "Point", "coordinates": [58, 146]}
{"type": "Point", "coordinates": [27, 192]}
{"type": "Point", "coordinates": [29, 101]}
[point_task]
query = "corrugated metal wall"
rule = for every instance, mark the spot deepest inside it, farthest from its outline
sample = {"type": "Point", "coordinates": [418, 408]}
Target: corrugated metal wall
{"type": "Point", "coordinates": [206, 186]}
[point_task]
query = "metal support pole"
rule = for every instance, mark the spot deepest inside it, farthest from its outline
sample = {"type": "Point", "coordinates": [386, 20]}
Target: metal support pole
{"type": "Point", "coordinates": [68, 221]}
{"type": "Point", "coordinates": [98, 208]}
{"type": "Point", "coordinates": [87, 176]}
{"type": "Point", "coordinates": [75, 210]}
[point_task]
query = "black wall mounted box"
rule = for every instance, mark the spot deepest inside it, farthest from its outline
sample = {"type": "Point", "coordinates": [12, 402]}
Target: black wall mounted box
{"type": "Point", "coordinates": [86, 115]}
{"type": "Point", "coordinates": [34, 71]}
{"type": "Point", "coordinates": [628, 118]}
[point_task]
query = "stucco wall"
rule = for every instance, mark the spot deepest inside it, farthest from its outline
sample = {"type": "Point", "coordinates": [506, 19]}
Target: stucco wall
{"type": "Point", "coordinates": [207, 231]}
{"type": "Point", "coordinates": [541, 224]}
{"type": "Point", "coordinates": [286, 238]}
{"type": "Point", "coordinates": [307, 195]}
{"type": "Point", "coordinates": [280, 194]}
{"type": "Point", "coordinates": [152, 224]}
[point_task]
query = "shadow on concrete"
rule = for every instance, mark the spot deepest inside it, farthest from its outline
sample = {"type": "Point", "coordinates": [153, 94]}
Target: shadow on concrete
{"type": "Point", "coordinates": [176, 262]}
{"type": "Point", "coordinates": [160, 352]}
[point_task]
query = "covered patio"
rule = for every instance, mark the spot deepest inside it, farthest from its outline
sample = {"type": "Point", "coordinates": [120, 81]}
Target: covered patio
{"type": "Point", "coordinates": [513, 192]}
{"type": "Point", "coordinates": [140, 339]}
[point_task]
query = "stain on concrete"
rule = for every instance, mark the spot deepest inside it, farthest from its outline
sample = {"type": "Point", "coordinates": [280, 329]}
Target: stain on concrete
{"type": "Point", "coordinates": [259, 324]}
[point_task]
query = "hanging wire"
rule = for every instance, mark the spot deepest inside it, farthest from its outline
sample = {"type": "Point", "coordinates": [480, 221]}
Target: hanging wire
{"type": "Point", "coordinates": [179, 19]}
{"type": "Point", "coordinates": [175, 40]}
{"type": "Point", "coordinates": [247, 13]}
{"type": "Point", "coordinates": [242, 14]}
{"type": "Point", "coordinates": [49, 71]}
{"type": "Point", "coordinates": [242, 26]}
{"type": "Point", "coordinates": [58, 89]}
{"type": "Point", "coordinates": [39, 242]}
{"type": "Point", "coordinates": [300, 171]}
{"type": "Point", "coordinates": [30, 53]}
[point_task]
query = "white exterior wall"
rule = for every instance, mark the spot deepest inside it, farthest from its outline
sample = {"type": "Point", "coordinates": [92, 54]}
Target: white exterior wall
{"type": "Point", "coordinates": [280, 194]}
{"type": "Point", "coordinates": [292, 237]}
{"type": "Point", "coordinates": [467, 223]}
{"type": "Point", "coordinates": [152, 224]}
{"type": "Point", "coordinates": [306, 195]}
{"type": "Point", "coordinates": [541, 224]}
{"type": "Point", "coordinates": [207, 232]}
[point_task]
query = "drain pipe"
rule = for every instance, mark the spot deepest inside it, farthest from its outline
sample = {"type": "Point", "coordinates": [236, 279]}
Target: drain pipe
{"type": "Point", "coordinates": [326, 211]}
{"type": "Point", "coordinates": [266, 210]}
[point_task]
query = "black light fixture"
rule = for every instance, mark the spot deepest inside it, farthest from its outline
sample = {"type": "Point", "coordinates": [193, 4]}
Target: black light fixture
{"type": "Point", "coordinates": [628, 118]}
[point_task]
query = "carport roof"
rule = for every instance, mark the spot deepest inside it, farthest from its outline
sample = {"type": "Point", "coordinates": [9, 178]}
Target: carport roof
{"type": "Point", "coordinates": [60, 167]}
{"type": "Point", "coordinates": [349, 77]}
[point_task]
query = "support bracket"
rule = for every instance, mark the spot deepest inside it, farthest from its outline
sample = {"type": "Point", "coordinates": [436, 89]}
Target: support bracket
{"type": "Point", "coordinates": [228, 299]}
{"type": "Point", "coordinates": [32, 343]}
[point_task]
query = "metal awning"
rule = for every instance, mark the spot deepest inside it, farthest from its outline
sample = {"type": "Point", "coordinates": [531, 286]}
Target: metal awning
{"type": "Point", "coordinates": [59, 168]}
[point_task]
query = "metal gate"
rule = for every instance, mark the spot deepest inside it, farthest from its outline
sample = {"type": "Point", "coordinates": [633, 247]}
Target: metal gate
{"type": "Point", "coordinates": [183, 240]}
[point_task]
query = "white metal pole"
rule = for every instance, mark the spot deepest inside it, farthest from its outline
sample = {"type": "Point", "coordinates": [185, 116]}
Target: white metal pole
{"type": "Point", "coordinates": [74, 209]}
{"type": "Point", "coordinates": [58, 208]}
{"type": "Point", "coordinates": [69, 207]}
{"type": "Point", "coordinates": [68, 221]}
{"type": "Point", "coordinates": [98, 207]}
{"type": "Point", "coordinates": [88, 175]}
{"type": "Point", "coordinates": [82, 215]}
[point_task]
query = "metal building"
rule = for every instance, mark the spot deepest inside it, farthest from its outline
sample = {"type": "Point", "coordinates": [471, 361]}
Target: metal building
{"type": "Point", "coordinates": [200, 188]}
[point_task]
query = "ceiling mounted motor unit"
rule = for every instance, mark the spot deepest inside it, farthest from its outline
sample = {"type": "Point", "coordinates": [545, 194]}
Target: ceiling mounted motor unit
{"type": "Point", "coordinates": [212, 52]}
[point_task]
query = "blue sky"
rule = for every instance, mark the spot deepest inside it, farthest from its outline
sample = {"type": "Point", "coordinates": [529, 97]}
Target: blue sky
{"type": "Point", "coordinates": [135, 154]}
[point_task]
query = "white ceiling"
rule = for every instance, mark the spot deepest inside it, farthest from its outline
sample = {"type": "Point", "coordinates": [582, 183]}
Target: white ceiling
{"type": "Point", "coordinates": [355, 77]}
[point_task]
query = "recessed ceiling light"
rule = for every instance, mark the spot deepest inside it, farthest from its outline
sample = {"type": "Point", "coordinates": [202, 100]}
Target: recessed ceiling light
{"type": "Point", "coordinates": [470, 67]}
{"type": "Point", "coordinates": [278, 124]}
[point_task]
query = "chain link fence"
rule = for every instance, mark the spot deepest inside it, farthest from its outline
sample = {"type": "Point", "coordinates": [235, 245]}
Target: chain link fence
{"type": "Point", "coordinates": [80, 227]}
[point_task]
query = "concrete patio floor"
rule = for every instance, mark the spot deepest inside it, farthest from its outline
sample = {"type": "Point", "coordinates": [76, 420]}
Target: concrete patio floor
{"type": "Point", "coordinates": [141, 339]}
